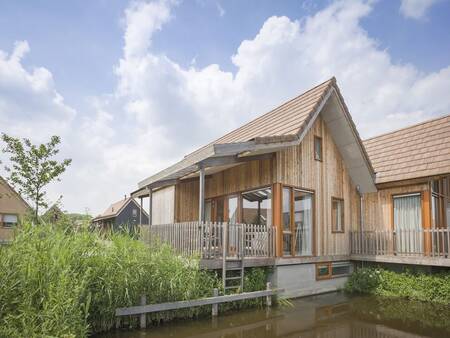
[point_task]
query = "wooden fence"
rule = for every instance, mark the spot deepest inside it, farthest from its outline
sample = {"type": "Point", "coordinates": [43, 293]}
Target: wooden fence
{"type": "Point", "coordinates": [207, 239]}
{"type": "Point", "coordinates": [402, 242]}
{"type": "Point", "coordinates": [143, 309]}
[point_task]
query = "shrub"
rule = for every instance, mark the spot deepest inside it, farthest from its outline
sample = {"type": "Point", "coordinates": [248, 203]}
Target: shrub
{"type": "Point", "coordinates": [422, 287]}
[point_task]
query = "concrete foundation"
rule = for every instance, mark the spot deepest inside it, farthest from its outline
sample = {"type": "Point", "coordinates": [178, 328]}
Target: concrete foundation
{"type": "Point", "coordinates": [299, 280]}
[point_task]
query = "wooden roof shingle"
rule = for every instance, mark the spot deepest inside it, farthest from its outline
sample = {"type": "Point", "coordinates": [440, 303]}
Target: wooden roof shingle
{"type": "Point", "coordinates": [421, 150]}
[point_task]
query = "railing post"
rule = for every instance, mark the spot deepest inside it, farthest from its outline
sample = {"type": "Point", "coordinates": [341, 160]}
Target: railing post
{"type": "Point", "coordinates": [143, 316]}
{"type": "Point", "coordinates": [269, 297]}
{"type": "Point", "coordinates": [215, 307]}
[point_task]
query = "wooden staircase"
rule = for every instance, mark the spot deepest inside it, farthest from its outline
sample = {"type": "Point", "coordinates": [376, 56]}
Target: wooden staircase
{"type": "Point", "coordinates": [233, 260]}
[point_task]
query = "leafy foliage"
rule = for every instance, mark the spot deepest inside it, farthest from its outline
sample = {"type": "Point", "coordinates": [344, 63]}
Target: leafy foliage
{"type": "Point", "coordinates": [60, 282]}
{"type": "Point", "coordinates": [422, 287]}
{"type": "Point", "coordinates": [33, 167]}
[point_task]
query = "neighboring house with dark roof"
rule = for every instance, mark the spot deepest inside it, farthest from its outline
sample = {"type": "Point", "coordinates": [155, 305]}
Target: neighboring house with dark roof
{"type": "Point", "coordinates": [12, 208]}
{"type": "Point", "coordinates": [302, 172]}
{"type": "Point", "coordinates": [124, 213]}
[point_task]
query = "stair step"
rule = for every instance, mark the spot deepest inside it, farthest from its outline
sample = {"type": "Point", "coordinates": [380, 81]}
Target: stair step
{"type": "Point", "coordinates": [232, 287]}
{"type": "Point", "coordinates": [233, 278]}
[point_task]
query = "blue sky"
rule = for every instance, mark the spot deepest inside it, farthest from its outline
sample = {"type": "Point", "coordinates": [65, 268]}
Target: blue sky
{"type": "Point", "coordinates": [212, 64]}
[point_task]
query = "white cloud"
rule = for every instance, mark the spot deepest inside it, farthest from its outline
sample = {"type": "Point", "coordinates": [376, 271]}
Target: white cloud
{"type": "Point", "coordinates": [220, 9]}
{"type": "Point", "coordinates": [415, 9]}
{"type": "Point", "coordinates": [160, 110]}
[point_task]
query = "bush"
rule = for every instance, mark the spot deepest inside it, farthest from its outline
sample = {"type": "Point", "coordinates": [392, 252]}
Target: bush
{"type": "Point", "coordinates": [422, 287]}
{"type": "Point", "coordinates": [66, 284]}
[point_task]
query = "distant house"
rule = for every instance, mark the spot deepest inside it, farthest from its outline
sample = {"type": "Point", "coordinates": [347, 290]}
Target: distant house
{"type": "Point", "coordinates": [120, 214]}
{"type": "Point", "coordinates": [12, 208]}
{"type": "Point", "coordinates": [53, 214]}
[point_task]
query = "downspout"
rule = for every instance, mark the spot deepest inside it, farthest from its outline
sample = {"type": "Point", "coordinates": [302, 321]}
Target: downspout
{"type": "Point", "coordinates": [361, 219]}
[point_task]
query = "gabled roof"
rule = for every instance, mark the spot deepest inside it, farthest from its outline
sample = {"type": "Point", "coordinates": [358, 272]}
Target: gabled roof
{"type": "Point", "coordinates": [14, 192]}
{"type": "Point", "coordinates": [280, 128]}
{"type": "Point", "coordinates": [116, 208]}
{"type": "Point", "coordinates": [417, 151]}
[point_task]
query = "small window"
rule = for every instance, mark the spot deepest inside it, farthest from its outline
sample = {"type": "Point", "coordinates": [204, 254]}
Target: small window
{"type": "Point", "coordinates": [317, 148]}
{"type": "Point", "coordinates": [337, 215]}
{"type": "Point", "coordinates": [9, 220]}
{"type": "Point", "coordinates": [330, 270]}
{"type": "Point", "coordinates": [134, 212]}
{"type": "Point", "coordinates": [340, 269]}
{"type": "Point", "coordinates": [323, 271]}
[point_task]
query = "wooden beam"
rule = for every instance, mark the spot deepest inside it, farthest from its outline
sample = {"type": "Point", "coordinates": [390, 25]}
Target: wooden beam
{"type": "Point", "coordinates": [225, 160]}
{"type": "Point", "coordinates": [140, 211]}
{"type": "Point", "coordinates": [201, 196]}
{"type": "Point", "coordinates": [277, 190]}
{"type": "Point", "coordinates": [150, 206]}
{"type": "Point", "coordinates": [137, 310]}
{"type": "Point", "coordinates": [426, 221]}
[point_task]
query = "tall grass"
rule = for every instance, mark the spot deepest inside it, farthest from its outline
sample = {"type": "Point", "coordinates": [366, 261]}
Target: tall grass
{"type": "Point", "coordinates": [59, 283]}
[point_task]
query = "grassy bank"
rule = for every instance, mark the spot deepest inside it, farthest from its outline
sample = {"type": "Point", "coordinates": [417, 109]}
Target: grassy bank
{"type": "Point", "coordinates": [423, 287]}
{"type": "Point", "coordinates": [61, 283]}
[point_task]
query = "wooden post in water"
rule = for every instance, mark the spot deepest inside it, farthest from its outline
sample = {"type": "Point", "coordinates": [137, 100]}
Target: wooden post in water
{"type": "Point", "coordinates": [215, 307]}
{"type": "Point", "coordinates": [269, 297]}
{"type": "Point", "coordinates": [143, 316]}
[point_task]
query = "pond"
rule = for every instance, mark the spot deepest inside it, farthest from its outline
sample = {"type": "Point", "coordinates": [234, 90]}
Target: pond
{"type": "Point", "coordinates": [330, 315]}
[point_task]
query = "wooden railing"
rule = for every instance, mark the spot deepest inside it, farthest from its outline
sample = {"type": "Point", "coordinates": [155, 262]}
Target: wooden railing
{"type": "Point", "coordinates": [402, 242]}
{"type": "Point", "coordinates": [207, 239]}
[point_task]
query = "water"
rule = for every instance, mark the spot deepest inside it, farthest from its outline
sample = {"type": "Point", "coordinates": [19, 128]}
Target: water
{"type": "Point", "coordinates": [326, 316]}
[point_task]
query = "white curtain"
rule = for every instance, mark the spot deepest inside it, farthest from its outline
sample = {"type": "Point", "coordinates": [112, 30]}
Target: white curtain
{"type": "Point", "coordinates": [408, 223]}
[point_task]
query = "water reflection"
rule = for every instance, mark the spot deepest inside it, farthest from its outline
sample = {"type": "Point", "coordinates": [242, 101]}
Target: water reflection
{"type": "Point", "coordinates": [325, 316]}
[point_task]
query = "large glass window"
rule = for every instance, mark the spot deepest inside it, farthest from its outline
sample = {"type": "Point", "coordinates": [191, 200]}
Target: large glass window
{"type": "Point", "coordinates": [257, 207]}
{"type": "Point", "coordinates": [233, 210]}
{"type": "Point", "coordinates": [287, 231]}
{"type": "Point", "coordinates": [407, 218]}
{"type": "Point", "coordinates": [440, 203]}
{"type": "Point", "coordinates": [303, 220]}
{"type": "Point", "coordinates": [219, 209]}
{"type": "Point", "coordinates": [297, 222]}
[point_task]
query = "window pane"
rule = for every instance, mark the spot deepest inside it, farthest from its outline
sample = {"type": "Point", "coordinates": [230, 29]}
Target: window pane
{"type": "Point", "coordinates": [287, 209]}
{"type": "Point", "coordinates": [340, 268]}
{"type": "Point", "coordinates": [323, 270]}
{"type": "Point", "coordinates": [9, 220]}
{"type": "Point", "coordinates": [317, 148]}
{"type": "Point", "coordinates": [303, 220]}
{"type": "Point", "coordinates": [286, 244]}
{"type": "Point", "coordinates": [337, 214]}
{"type": "Point", "coordinates": [407, 217]}
{"type": "Point", "coordinates": [232, 209]}
{"type": "Point", "coordinates": [208, 211]}
{"type": "Point", "coordinates": [220, 217]}
{"type": "Point", "coordinates": [257, 207]}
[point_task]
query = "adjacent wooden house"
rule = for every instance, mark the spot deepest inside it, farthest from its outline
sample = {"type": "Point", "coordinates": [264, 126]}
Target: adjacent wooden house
{"type": "Point", "coordinates": [125, 213]}
{"type": "Point", "coordinates": [12, 208]}
{"type": "Point", "coordinates": [298, 189]}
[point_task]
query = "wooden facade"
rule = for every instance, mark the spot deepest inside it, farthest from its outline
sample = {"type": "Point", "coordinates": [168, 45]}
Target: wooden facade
{"type": "Point", "coordinates": [294, 167]}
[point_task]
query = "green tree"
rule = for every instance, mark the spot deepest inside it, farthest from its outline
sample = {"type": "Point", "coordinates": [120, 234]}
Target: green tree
{"type": "Point", "coordinates": [33, 167]}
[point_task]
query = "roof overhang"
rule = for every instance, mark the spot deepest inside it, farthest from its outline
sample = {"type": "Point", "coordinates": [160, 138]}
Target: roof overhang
{"type": "Point", "coordinates": [337, 118]}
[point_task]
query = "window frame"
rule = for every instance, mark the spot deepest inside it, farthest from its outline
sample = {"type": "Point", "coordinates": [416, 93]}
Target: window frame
{"type": "Point", "coordinates": [291, 230]}
{"type": "Point", "coordinates": [330, 270]}
{"type": "Point", "coordinates": [406, 194]}
{"type": "Point", "coordinates": [2, 223]}
{"type": "Point", "coordinates": [333, 220]}
{"type": "Point", "coordinates": [320, 140]}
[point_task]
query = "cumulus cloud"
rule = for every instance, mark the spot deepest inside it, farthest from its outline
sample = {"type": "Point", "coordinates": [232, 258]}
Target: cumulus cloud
{"type": "Point", "coordinates": [159, 110]}
{"type": "Point", "coordinates": [415, 9]}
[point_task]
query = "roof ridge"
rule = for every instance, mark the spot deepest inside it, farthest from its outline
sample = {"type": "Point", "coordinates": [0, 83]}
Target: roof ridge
{"type": "Point", "coordinates": [332, 81]}
{"type": "Point", "coordinates": [407, 127]}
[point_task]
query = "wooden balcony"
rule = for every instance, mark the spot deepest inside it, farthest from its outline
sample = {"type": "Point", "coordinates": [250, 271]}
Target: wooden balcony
{"type": "Point", "coordinates": [418, 246]}
{"type": "Point", "coordinates": [213, 241]}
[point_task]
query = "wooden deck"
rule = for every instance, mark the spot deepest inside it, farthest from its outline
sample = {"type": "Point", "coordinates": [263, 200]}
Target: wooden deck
{"type": "Point", "coordinates": [419, 246]}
